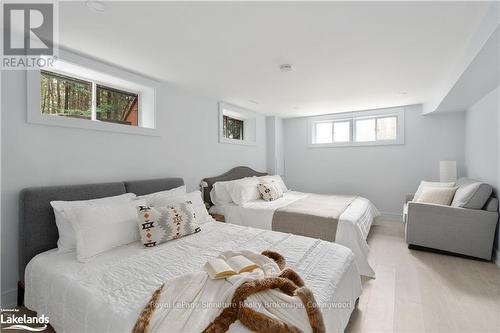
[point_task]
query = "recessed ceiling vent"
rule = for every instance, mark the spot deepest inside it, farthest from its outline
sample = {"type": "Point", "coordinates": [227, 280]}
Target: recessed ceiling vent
{"type": "Point", "coordinates": [286, 68]}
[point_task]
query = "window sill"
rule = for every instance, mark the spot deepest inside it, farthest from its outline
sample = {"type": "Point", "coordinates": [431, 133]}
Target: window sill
{"type": "Point", "coordinates": [50, 120]}
{"type": "Point", "coordinates": [237, 142]}
{"type": "Point", "coordinates": [357, 144]}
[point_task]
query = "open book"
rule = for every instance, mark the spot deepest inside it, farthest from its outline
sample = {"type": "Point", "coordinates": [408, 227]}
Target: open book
{"type": "Point", "coordinates": [219, 268]}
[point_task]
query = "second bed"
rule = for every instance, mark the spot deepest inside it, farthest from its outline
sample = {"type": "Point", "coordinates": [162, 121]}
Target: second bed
{"type": "Point", "coordinates": [353, 224]}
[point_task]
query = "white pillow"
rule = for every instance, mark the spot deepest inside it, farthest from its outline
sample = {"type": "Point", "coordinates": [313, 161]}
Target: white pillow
{"type": "Point", "coordinates": [100, 228]}
{"type": "Point", "coordinates": [275, 178]}
{"type": "Point", "coordinates": [220, 194]}
{"type": "Point", "coordinates": [200, 211]}
{"type": "Point", "coordinates": [63, 211]}
{"type": "Point", "coordinates": [244, 190]}
{"type": "Point", "coordinates": [430, 184]}
{"type": "Point", "coordinates": [437, 195]}
{"type": "Point", "coordinates": [175, 192]}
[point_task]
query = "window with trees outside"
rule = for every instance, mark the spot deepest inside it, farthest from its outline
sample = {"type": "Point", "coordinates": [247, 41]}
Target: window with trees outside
{"type": "Point", "coordinates": [378, 127]}
{"type": "Point", "coordinates": [69, 96]}
{"type": "Point", "coordinates": [233, 128]}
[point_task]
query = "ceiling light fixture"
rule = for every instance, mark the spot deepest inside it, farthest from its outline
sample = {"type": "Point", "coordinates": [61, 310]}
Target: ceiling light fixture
{"type": "Point", "coordinates": [96, 5]}
{"type": "Point", "coordinates": [286, 68]}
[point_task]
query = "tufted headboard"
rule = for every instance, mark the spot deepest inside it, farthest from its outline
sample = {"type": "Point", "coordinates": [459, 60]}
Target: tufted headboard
{"type": "Point", "coordinates": [233, 174]}
{"type": "Point", "coordinates": [37, 225]}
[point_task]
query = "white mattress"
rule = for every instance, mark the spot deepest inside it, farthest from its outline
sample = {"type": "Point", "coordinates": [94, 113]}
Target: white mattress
{"type": "Point", "coordinates": [352, 229]}
{"type": "Point", "coordinates": [108, 293]}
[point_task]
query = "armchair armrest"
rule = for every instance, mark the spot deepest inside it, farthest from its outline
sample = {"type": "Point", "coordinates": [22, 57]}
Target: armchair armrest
{"type": "Point", "coordinates": [409, 197]}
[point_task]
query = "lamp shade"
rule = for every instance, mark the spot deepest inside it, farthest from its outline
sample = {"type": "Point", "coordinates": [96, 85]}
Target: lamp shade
{"type": "Point", "coordinates": [447, 171]}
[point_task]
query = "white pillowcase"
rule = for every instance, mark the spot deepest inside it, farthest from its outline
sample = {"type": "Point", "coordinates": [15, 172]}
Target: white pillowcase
{"type": "Point", "coordinates": [244, 190]}
{"type": "Point", "coordinates": [220, 194]}
{"type": "Point", "coordinates": [200, 211]}
{"type": "Point", "coordinates": [175, 192]}
{"type": "Point", "coordinates": [274, 178]}
{"type": "Point", "coordinates": [430, 184]}
{"type": "Point", "coordinates": [437, 195]}
{"type": "Point", "coordinates": [63, 211]}
{"type": "Point", "coordinates": [100, 228]}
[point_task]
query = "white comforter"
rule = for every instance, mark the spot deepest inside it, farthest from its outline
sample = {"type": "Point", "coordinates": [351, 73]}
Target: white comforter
{"type": "Point", "coordinates": [200, 297]}
{"type": "Point", "coordinates": [107, 294]}
{"type": "Point", "coordinates": [352, 229]}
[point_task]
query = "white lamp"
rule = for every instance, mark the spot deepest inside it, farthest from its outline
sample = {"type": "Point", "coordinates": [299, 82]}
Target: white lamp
{"type": "Point", "coordinates": [447, 171]}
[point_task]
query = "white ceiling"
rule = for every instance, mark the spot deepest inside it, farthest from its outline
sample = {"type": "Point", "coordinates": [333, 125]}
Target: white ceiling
{"type": "Point", "coordinates": [345, 56]}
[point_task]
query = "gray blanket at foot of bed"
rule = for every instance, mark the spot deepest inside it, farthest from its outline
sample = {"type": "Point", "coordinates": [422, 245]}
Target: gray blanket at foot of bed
{"type": "Point", "coordinates": [315, 216]}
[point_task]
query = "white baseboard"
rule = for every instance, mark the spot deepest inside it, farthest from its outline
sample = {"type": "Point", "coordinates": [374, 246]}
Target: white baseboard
{"type": "Point", "coordinates": [393, 217]}
{"type": "Point", "coordinates": [9, 298]}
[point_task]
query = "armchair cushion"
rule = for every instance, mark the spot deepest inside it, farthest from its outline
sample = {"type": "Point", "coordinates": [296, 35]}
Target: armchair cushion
{"type": "Point", "coordinates": [471, 194]}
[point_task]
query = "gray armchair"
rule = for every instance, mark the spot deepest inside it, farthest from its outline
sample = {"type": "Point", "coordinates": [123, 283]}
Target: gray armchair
{"type": "Point", "coordinates": [456, 228]}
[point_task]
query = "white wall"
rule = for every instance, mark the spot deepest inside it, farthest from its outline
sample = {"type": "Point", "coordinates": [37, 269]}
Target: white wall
{"type": "Point", "coordinates": [38, 155]}
{"type": "Point", "coordinates": [482, 143]}
{"type": "Point", "coordinates": [275, 147]}
{"type": "Point", "coordinates": [383, 174]}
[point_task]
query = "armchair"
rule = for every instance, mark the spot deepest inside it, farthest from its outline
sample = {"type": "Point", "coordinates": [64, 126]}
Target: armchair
{"type": "Point", "coordinates": [450, 228]}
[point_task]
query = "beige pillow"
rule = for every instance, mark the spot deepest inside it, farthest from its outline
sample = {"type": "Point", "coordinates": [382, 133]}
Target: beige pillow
{"type": "Point", "coordinates": [424, 184]}
{"type": "Point", "coordinates": [437, 195]}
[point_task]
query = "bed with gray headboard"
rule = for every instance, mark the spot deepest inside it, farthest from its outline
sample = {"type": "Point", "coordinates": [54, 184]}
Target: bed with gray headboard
{"type": "Point", "coordinates": [37, 225]}
{"type": "Point", "coordinates": [233, 174]}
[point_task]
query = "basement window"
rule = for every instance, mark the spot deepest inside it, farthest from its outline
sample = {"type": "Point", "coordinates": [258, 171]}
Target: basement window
{"type": "Point", "coordinates": [233, 128]}
{"type": "Point", "coordinates": [83, 93]}
{"type": "Point", "coordinates": [364, 128]}
{"type": "Point", "coordinates": [237, 125]}
{"type": "Point", "coordinates": [67, 96]}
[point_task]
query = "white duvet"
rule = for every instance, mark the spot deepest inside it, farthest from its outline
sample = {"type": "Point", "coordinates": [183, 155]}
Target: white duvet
{"type": "Point", "coordinates": [108, 293]}
{"type": "Point", "coordinates": [352, 229]}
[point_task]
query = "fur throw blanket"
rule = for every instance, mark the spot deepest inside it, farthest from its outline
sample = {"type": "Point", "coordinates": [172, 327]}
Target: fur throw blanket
{"type": "Point", "coordinates": [287, 282]}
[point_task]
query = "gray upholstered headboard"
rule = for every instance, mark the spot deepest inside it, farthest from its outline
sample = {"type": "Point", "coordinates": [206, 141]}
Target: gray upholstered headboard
{"type": "Point", "coordinates": [233, 174]}
{"type": "Point", "coordinates": [37, 225]}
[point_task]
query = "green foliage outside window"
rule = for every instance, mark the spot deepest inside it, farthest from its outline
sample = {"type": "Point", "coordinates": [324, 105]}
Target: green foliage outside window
{"type": "Point", "coordinates": [71, 97]}
{"type": "Point", "coordinates": [232, 128]}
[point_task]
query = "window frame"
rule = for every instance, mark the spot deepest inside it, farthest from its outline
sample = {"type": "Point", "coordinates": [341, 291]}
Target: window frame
{"type": "Point", "coordinates": [73, 65]}
{"type": "Point", "coordinates": [351, 117]}
{"type": "Point", "coordinates": [93, 85]}
{"type": "Point", "coordinates": [225, 119]}
{"type": "Point", "coordinates": [247, 116]}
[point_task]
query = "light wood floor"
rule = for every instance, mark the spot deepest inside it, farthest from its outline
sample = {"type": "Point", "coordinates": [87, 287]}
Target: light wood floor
{"type": "Point", "coordinates": [417, 291]}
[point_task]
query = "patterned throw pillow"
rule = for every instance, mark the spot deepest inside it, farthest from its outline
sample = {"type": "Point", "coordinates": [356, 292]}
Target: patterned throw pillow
{"type": "Point", "coordinates": [160, 224]}
{"type": "Point", "coordinates": [270, 191]}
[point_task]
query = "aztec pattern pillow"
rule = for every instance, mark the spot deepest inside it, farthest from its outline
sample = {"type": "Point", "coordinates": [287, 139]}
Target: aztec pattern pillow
{"type": "Point", "coordinates": [160, 224]}
{"type": "Point", "coordinates": [270, 191]}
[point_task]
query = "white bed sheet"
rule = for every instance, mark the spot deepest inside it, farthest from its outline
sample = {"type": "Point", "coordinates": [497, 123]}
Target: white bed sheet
{"type": "Point", "coordinates": [108, 293]}
{"type": "Point", "coordinates": [352, 229]}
